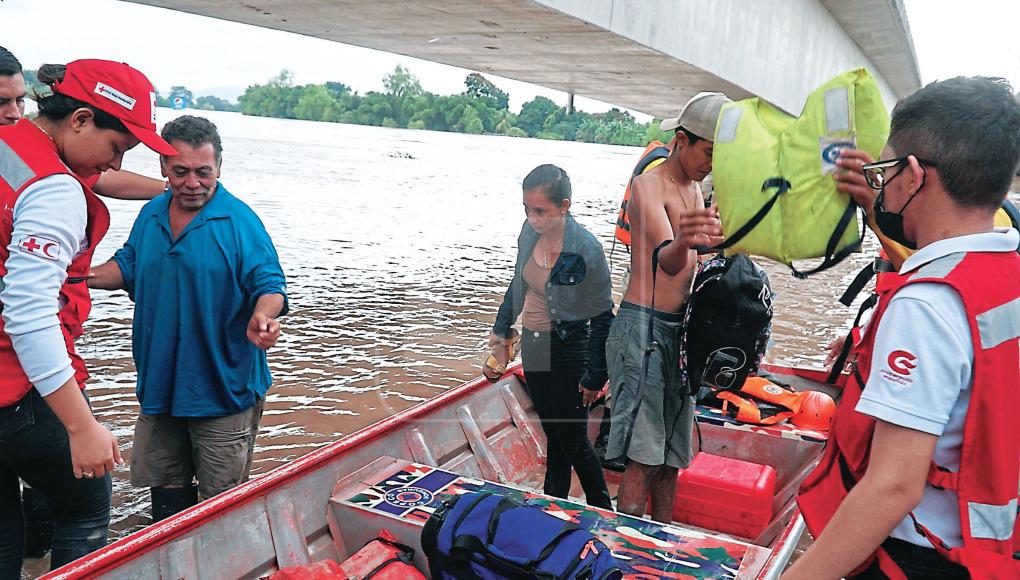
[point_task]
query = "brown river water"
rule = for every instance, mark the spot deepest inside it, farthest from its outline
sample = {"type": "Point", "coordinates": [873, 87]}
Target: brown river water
{"type": "Point", "coordinates": [397, 246]}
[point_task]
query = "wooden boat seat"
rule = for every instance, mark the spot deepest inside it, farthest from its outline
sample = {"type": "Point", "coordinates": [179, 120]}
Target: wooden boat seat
{"type": "Point", "coordinates": [400, 495]}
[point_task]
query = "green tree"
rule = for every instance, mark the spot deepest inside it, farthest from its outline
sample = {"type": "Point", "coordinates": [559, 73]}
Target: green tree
{"type": "Point", "coordinates": [482, 88]}
{"type": "Point", "coordinates": [401, 87]}
{"type": "Point", "coordinates": [211, 103]}
{"type": "Point", "coordinates": [337, 90]}
{"type": "Point", "coordinates": [479, 109]}
{"type": "Point", "coordinates": [470, 122]}
{"type": "Point", "coordinates": [653, 133]}
{"type": "Point", "coordinates": [161, 101]}
{"type": "Point", "coordinates": [284, 79]}
{"type": "Point", "coordinates": [534, 113]}
{"type": "Point", "coordinates": [314, 103]}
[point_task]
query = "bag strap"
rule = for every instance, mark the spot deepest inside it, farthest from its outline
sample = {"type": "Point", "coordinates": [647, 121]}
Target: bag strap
{"type": "Point", "coordinates": [501, 508]}
{"type": "Point", "coordinates": [466, 544]}
{"type": "Point", "coordinates": [832, 257]}
{"type": "Point", "coordinates": [645, 360]}
{"type": "Point", "coordinates": [879, 266]}
{"type": "Point", "coordinates": [840, 362]}
{"type": "Point", "coordinates": [406, 556]}
{"type": "Point", "coordinates": [460, 520]}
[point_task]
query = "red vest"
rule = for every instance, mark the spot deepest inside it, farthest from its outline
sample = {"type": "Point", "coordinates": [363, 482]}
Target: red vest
{"type": "Point", "coordinates": [989, 474]}
{"type": "Point", "coordinates": [29, 155]}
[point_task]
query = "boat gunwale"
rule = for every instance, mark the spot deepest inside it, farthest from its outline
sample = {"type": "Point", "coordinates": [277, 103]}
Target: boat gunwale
{"type": "Point", "coordinates": [156, 535]}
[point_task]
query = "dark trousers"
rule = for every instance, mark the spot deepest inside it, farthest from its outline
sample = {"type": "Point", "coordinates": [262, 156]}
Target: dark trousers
{"type": "Point", "coordinates": [917, 563]}
{"type": "Point", "coordinates": [553, 370]}
{"type": "Point", "coordinates": [34, 447]}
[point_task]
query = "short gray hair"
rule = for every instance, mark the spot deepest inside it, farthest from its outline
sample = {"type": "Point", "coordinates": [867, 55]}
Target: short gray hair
{"type": "Point", "coordinates": [195, 131]}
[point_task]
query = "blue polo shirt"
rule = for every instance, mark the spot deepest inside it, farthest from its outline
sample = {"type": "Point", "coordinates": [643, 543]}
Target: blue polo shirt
{"type": "Point", "coordinates": [193, 299]}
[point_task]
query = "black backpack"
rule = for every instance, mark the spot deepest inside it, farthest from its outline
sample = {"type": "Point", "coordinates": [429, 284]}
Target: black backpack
{"type": "Point", "coordinates": [727, 324]}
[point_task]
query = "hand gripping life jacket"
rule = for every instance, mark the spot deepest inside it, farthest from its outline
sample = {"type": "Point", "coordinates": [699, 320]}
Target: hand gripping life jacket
{"type": "Point", "coordinates": [987, 480]}
{"type": "Point", "coordinates": [29, 155]}
{"type": "Point", "coordinates": [652, 156]}
{"type": "Point", "coordinates": [772, 171]}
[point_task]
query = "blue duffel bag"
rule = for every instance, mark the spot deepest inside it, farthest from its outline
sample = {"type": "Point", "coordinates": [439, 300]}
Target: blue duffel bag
{"type": "Point", "coordinates": [488, 536]}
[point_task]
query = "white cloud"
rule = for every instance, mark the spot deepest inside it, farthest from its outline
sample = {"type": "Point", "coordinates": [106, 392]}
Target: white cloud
{"type": "Point", "coordinates": [976, 37]}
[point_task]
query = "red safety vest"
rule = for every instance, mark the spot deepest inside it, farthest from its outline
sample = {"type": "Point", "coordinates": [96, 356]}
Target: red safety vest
{"type": "Point", "coordinates": [29, 155]}
{"type": "Point", "coordinates": [987, 481]}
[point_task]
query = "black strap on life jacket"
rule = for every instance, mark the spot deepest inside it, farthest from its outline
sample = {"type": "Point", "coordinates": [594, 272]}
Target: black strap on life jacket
{"type": "Point", "coordinates": [832, 257]}
{"type": "Point", "coordinates": [848, 343]}
{"type": "Point", "coordinates": [878, 266]}
{"type": "Point", "coordinates": [782, 186]}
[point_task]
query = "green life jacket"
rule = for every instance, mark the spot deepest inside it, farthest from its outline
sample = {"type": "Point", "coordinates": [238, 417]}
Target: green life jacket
{"type": "Point", "coordinates": [772, 171]}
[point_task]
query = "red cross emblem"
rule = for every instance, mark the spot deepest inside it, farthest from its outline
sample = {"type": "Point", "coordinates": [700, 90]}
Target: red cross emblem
{"type": "Point", "coordinates": [40, 246]}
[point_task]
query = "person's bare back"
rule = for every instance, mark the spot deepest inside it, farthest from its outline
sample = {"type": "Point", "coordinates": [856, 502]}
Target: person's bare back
{"type": "Point", "coordinates": [658, 201]}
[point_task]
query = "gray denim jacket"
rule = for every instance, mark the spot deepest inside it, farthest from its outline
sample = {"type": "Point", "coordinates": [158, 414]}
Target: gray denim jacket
{"type": "Point", "coordinates": [578, 293]}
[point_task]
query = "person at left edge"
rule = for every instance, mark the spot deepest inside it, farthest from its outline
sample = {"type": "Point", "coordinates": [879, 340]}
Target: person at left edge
{"type": "Point", "coordinates": [50, 224]}
{"type": "Point", "coordinates": [113, 183]}
{"type": "Point", "coordinates": [118, 184]}
{"type": "Point", "coordinates": [203, 321]}
{"type": "Point", "coordinates": [562, 290]}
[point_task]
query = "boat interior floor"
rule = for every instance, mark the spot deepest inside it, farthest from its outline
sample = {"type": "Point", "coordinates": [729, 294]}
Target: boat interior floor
{"type": "Point", "coordinates": [399, 496]}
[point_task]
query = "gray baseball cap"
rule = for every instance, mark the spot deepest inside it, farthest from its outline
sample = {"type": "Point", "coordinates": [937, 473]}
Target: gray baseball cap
{"type": "Point", "coordinates": [699, 115]}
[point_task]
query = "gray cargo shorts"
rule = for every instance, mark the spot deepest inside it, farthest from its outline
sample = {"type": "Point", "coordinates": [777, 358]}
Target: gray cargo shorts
{"type": "Point", "coordinates": [175, 450]}
{"type": "Point", "coordinates": [662, 430]}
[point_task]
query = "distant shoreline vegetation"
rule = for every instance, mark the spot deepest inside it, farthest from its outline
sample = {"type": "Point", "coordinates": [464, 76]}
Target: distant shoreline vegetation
{"type": "Point", "coordinates": [483, 108]}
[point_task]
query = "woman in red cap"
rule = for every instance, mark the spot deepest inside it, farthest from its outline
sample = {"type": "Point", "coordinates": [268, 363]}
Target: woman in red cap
{"type": "Point", "coordinates": [50, 224]}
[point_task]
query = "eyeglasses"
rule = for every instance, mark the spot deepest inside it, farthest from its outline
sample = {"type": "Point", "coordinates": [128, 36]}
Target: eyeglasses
{"type": "Point", "coordinates": [874, 173]}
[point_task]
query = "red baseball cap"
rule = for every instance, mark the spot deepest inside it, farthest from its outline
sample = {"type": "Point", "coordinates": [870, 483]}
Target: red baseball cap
{"type": "Point", "coordinates": [121, 91]}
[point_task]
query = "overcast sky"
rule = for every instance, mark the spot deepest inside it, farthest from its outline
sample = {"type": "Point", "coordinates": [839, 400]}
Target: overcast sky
{"type": "Point", "coordinates": [951, 38]}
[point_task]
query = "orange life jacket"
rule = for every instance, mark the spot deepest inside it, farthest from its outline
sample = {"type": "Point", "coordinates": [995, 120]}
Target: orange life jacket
{"type": "Point", "coordinates": [987, 480]}
{"type": "Point", "coordinates": [29, 156]}
{"type": "Point", "coordinates": [813, 408]}
{"type": "Point", "coordinates": [655, 151]}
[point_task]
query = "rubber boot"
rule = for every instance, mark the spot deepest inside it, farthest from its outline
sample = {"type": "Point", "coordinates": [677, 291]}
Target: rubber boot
{"type": "Point", "coordinates": [167, 501]}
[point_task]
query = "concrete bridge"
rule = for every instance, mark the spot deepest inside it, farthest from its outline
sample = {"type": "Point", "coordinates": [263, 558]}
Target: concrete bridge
{"type": "Point", "coordinates": [646, 55]}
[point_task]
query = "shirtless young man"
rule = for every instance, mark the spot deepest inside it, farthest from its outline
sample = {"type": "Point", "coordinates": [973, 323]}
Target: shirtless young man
{"type": "Point", "coordinates": [665, 206]}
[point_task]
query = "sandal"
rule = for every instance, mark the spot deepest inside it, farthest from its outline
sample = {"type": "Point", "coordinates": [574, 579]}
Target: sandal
{"type": "Point", "coordinates": [497, 361]}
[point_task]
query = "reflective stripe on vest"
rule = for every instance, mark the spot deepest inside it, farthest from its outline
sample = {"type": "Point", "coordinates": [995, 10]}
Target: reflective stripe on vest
{"type": "Point", "coordinates": [13, 169]}
{"type": "Point", "coordinates": [987, 483]}
{"type": "Point", "coordinates": [999, 324]}
{"type": "Point", "coordinates": [994, 522]}
{"type": "Point", "coordinates": [27, 155]}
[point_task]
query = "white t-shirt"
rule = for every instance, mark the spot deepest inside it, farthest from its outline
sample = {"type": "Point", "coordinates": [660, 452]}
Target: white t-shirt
{"type": "Point", "coordinates": [922, 370]}
{"type": "Point", "coordinates": [49, 231]}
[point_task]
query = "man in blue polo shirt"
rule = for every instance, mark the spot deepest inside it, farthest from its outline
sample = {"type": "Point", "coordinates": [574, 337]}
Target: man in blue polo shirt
{"type": "Point", "coordinates": [208, 287]}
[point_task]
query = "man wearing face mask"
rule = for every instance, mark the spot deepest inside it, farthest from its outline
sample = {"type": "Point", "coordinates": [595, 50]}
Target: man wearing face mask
{"type": "Point", "coordinates": [208, 288]}
{"type": "Point", "coordinates": [920, 475]}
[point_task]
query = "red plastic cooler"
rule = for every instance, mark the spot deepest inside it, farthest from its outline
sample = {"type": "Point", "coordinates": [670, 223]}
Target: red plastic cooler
{"type": "Point", "coordinates": [727, 495]}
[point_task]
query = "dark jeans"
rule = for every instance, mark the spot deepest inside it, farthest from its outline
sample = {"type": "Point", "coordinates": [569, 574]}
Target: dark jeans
{"type": "Point", "coordinates": [553, 369]}
{"type": "Point", "coordinates": [34, 447]}
{"type": "Point", "coordinates": [917, 563]}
